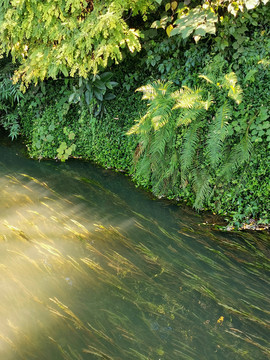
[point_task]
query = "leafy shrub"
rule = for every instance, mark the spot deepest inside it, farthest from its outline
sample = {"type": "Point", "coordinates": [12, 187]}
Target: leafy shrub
{"type": "Point", "coordinates": [54, 134]}
{"type": "Point", "coordinates": [93, 92]}
{"type": "Point", "coordinates": [10, 96]}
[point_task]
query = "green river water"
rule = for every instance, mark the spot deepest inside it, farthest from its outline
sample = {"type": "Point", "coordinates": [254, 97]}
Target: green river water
{"type": "Point", "coordinates": [93, 268]}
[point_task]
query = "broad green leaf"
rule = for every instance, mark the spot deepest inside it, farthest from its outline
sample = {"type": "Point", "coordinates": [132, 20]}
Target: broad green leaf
{"type": "Point", "coordinates": [71, 98]}
{"type": "Point", "coordinates": [109, 96]}
{"type": "Point", "coordinates": [200, 31]}
{"type": "Point", "coordinates": [167, 6]}
{"type": "Point", "coordinates": [156, 24]}
{"type": "Point", "coordinates": [98, 95]}
{"type": "Point", "coordinates": [113, 83]}
{"type": "Point", "coordinates": [64, 70]}
{"type": "Point", "coordinates": [251, 4]}
{"type": "Point", "coordinates": [100, 84]}
{"type": "Point", "coordinates": [186, 32]}
{"type": "Point", "coordinates": [88, 97]}
{"type": "Point", "coordinates": [175, 31]}
{"type": "Point", "coordinates": [106, 76]}
{"type": "Point", "coordinates": [169, 29]}
{"type": "Point", "coordinates": [198, 20]}
{"type": "Point", "coordinates": [174, 5]}
{"type": "Point", "coordinates": [51, 127]}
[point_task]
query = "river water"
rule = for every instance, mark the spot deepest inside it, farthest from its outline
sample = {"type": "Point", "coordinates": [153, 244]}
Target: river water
{"type": "Point", "coordinates": [93, 268]}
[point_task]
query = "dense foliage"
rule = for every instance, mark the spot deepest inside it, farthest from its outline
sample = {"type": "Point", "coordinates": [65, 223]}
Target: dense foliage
{"type": "Point", "coordinates": [68, 37]}
{"type": "Point", "coordinates": [202, 131]}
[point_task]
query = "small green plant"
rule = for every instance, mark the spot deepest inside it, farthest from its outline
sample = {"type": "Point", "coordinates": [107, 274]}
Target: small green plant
{"type": "Point", "coordinates": [93, 92]}
{"type": "Point", "coordinates": [260, 126]}
{"type": "Point", "coordinates": [64, 151]}
{"type": "Point", "coordinates": [10, 96]}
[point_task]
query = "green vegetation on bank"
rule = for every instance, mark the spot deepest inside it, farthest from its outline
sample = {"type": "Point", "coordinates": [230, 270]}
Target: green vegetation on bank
{"type": "Point", "coordinates": [202, 130]}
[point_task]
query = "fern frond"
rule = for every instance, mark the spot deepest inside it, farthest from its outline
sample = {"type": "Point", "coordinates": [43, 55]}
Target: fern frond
{"type": "Point", "coordinates": [160, 103]}
{"type": "Point", "coordinates": [210, 79]}
{"type": "Point", "coordinates": [202, 188]}
{"type": "Point", "coordinates": [190, 115]}
{"type": "Point", "coordinates": [214, 148]}
{"type": "Point", "coordinates": [230, 80]}
{"type": "Point", "coordinates": [235, 91]}
{"type": "Point", "coordinates": [207, 103]}
{"type": "Point", "coordinates": [137, 128]}
{"type": "Point", "coordinates": [223, 115]}
{"type": "Point", "coordinates": [217, 134]}
{"type": "Point", "coordinates": [190, 144]}
{"type": "Point", "coordinates": [148, 91]}
{"type": "Point", "coordinates": [143, 169]}
{"type": "Point", "coordinates": [158, 145]}
{"type": "Point", "coordinates": [160, 111]}
{"type": "Point", "coordinates": [186, 98]}
{"type": "Point", "coordinates": [239, 155]}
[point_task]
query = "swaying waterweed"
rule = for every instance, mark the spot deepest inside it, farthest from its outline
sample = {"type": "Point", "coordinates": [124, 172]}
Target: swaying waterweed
{"type": "Point", "coordinates": [85, 276]}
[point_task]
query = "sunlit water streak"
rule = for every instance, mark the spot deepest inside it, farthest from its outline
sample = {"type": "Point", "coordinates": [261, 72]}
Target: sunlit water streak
{"type": "Point", "coordinates": [92, 268]}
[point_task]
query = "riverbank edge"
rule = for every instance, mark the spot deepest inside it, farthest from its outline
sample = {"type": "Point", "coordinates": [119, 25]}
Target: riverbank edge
{"type": "Point", "coordinates": [211, 219]}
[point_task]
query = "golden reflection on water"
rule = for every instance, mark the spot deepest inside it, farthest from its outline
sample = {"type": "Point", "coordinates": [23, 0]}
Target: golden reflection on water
{"type": "Point", "coordinates": [32, 265]}
{"type": "Point", "coordinates": [75, 287]}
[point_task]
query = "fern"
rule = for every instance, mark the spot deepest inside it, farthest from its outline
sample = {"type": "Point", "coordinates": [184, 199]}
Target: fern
{"type": "Point", "coordinates": [235, 91]}
{"type": "Point", "coordinates": [228, 82]}
{"type": "Point", "coordinates": [143, 171]}
{"type": "Point", "coordinates": [191, 141]}
{"type": "Point", "coordinates": [139, 126]}
{"type": "Point", "coordinates": [160, 153]}
{"type": "Point", "coordinates": [202, 188]}
{"type": "Point", "coordinates": [205, 154]}
{"type": "Point", "coordinates": [238, 155]}
{"type": "Point", "coordinates": [159, 142]}
{"type": "Point", "coordinates": [156, 132]}
{"type": "Point", "coordinates": [160, 105]}
{"type": "Point", "coordinates": [217, 134]}
{"type": "Point", "coordinates": [210, 79]}
{"type": "Point", "coordinates": [187, 98]}
{"type": "Point", "coordinates": [190, 115]}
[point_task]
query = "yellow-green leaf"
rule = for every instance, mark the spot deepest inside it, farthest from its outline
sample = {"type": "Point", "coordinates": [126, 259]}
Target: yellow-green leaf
{"type": "Point", "coordinates": [169, 29]}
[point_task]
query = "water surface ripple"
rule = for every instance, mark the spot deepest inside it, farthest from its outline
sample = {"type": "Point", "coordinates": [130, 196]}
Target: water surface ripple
{"type": "Point", "coordinates": [93, 268]}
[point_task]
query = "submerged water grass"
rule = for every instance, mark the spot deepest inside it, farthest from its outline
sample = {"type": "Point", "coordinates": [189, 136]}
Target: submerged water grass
{"type": "Point", "coordinates": [85, 276]}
